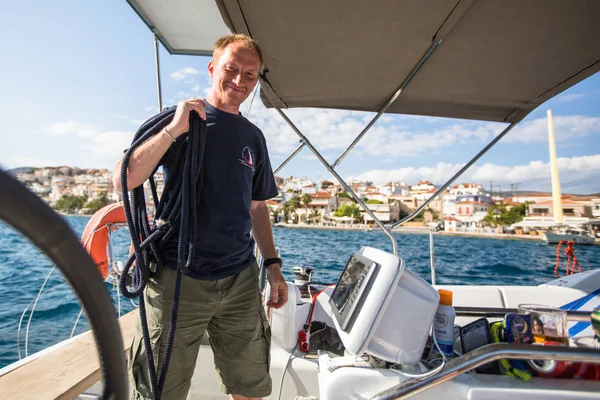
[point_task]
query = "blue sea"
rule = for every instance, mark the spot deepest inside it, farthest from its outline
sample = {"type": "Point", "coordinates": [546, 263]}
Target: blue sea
{"type": "Point", "coordinates": [459, 260]}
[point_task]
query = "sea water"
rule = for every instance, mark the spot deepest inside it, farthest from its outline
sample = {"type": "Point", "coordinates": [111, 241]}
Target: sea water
{"type": "Point", "coordinates": [459, 260]}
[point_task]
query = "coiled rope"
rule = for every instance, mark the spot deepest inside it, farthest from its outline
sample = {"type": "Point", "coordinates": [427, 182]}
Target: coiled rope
{"type": "Point", "coordinates": [571, 258]}
{"type": "Point", "coordinates": [175, 210]}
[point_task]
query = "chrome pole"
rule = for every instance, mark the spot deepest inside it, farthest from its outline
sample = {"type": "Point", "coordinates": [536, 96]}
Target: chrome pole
{"type": "Point", "coordinates": [296, 151]}
{"type": "Point", "coordinates": [484, 355]}
{"type": "Point", "coordinates": [340, 180]}
{"type": "Point", "coordinates": [390, 101]}
{"type": "Point", "coordinates": [459, 173]}
{"type": "Point", "coordinates": [495, 312]}
{"type": "Point", "coordinates": [431, 257]}
{"type": "Point", "coordinates": [111, 251]}
{"type": "Point", "coordinates": [157, 60]}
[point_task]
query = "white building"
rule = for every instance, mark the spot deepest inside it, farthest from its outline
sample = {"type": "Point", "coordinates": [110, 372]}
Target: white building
{"type": "Point", "coordinates": [422, 191]}
{"type": "Point", "coordinates": [384, 212]}
{"type": "Point", "coordinates": [391, 188]}
{"type": "Point", "coordinates": [309, 189]}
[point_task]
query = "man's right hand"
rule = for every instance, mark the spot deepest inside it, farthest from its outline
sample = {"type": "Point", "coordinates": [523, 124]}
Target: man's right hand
{"type": "Point", "coordinates": [181, 120]}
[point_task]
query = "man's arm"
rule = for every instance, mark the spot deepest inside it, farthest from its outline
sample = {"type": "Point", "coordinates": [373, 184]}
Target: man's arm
{"type": "Point", "coordinates": [143, 161]}
{"type": "Point", "coordinates": [147, 156]}
{"type": "Point", "coordinates": [263, 235]}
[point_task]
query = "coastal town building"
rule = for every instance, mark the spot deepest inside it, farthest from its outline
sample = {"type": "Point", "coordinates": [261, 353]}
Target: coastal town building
{"type": "Point", "coordinates": [384, 212]}
{"type": "Point", "coordinates": [462, 206]}
{"type": "Point", "coordinates": [422, 191]}
{"type": "Point", "coordinates": [309, 189]}
{"type": "Point", "coordinates": [570, 208]}
{"type": "Point", "coordinates": [394, 188]}
{"type": "Point", "coordinates": [596, 207]}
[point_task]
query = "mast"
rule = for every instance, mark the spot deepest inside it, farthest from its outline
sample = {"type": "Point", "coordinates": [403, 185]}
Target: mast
{"type": "Point", "coordinates": [556, 195]}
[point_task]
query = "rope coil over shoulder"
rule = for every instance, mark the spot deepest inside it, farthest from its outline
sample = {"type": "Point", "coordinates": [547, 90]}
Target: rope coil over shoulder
{"type": "Point", "coordinates": [176, 210]}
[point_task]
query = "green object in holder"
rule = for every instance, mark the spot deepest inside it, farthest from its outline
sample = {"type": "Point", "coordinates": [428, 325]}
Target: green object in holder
{"type": "Point", "coordinates": [596, 322]}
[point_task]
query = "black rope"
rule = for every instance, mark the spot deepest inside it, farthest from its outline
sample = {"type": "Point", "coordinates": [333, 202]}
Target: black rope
{"type": "Point", "coordinates": [176, 210]}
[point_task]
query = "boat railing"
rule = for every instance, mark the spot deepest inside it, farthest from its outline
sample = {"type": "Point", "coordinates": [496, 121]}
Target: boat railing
{"type": "Point", "coordinates": [484, 355]}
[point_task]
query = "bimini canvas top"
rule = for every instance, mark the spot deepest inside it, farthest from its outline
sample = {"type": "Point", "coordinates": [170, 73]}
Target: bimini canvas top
{"type": "Point", "coordinates": [497, 59]}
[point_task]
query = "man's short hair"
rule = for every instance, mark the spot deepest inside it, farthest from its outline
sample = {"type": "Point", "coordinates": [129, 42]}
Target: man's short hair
{"type": "Point", "coordinates": [245, 40]}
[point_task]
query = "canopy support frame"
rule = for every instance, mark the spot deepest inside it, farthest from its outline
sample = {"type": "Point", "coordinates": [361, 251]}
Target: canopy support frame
{"type": "Point", "coordinates": [332, 170]}
{"type": "Point", "coordinates": [158, 81]}
{"type": "Point", "coordinates": [455, 176]}
{"type": "Point", "coordinates": [390, 100]}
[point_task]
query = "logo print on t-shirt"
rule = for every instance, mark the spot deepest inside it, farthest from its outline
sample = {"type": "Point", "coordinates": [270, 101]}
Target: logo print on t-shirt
{"type": "Point", "coordinates": [248, 158]}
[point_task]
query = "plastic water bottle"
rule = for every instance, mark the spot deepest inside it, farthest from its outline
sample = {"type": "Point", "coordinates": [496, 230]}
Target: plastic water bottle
{"type": "Point", "coordinates": [443, 324]}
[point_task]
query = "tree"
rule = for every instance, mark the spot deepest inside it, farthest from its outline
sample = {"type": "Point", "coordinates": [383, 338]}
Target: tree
{"type": "Point", "coordinates": [70, 203]}
{"type": "Point", "coordinates": [373, 201]}
{"type": "Point", "coordinates": [349, 210]}
{"type": "Point", "coordinates": [315, 213]}
{"type": "Point", "coordinates": [344, 195]}
{"type": "Point", "coordinates": [98, 202]}
{"type": "Point", "coordinates": [306, 200]}
{"type": "Point", "coordinates": [294, 204]}
{"type": "Point", "coordinates": [274, 213]}
{"type": "Point", "coordinates": [285, 208]}
{"type": "Point", "coordinates": [326, 184]}
{"type": "Point", "coordinates": [499, 214]}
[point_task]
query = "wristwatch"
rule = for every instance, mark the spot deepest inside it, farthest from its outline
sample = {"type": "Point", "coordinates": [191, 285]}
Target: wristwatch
{"type": "Point", "coordinates": [270, 261]}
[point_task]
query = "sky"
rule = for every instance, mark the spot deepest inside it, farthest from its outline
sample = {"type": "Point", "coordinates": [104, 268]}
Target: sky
{"type": "Point", "coordinates": [77, 79]}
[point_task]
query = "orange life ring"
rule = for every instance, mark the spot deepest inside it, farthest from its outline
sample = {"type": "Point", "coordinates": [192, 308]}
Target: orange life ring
{"type": "Point", "coordinates": [95, 234]}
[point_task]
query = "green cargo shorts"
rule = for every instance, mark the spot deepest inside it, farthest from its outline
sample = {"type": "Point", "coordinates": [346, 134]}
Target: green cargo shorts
{"type": "Point", "coordinates": [230, 310]}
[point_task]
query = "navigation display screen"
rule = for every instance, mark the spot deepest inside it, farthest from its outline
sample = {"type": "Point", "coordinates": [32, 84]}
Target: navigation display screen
{"type": "Point", "coordinates": [349, 289]}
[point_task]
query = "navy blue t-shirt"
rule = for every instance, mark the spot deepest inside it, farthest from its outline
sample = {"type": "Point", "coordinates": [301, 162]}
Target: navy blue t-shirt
{"type": "Point", "coordinates": [237, 170]}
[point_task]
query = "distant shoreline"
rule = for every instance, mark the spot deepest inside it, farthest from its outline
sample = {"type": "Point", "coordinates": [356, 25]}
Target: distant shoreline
{"type": "Point", "coordinates": [424, 231]}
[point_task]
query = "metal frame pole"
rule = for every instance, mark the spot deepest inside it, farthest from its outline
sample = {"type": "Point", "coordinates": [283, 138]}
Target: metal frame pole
{"type": "Point", "coordinates": [484, 355]}
{"type": "Point", "coordinates": [459, 173]}
{"type": "Point", "coordinates": [296, 151]}
{"type": "Point", "coordinates": [381, 111]}
{"type": "Point", "coordinates": [390, 101]}
{"type": "Point", "coordinates": [431, 257]}
{"type": "Point", "coordinates": [329, 168]}
{"type": "Point", "coordinates": [157, 61]}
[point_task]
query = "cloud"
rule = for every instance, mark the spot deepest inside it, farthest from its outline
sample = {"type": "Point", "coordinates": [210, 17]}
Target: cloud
{"type": "Point", "coordinates": [182, 73]}
{"type": "Point", "coordinates": [565, 128]}
{"type": "Point", "coordinates": [94, 144]}
{"type": "Point", "coordinates": [133, 121]}
{"type": "Point", "coordinates": [71, 128]}
{"type": "Point", "coordinates": [390, 137]}
{"type": "Point", "coordinates": [568, 98]}
{"type": "Point", "coordinates": [29, 162]}
{"type": "Point", "coordinates": [399, 136]}
{"type": "Point", "coordinates": [577, 174]}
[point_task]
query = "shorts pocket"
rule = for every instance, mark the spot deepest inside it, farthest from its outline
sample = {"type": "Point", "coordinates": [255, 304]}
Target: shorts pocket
{"type": "Point", "coordinates": [266, 336]}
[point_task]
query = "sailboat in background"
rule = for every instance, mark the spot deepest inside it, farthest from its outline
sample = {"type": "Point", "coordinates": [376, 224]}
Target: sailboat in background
{"type": "Point", "coordinates": [561, 231]}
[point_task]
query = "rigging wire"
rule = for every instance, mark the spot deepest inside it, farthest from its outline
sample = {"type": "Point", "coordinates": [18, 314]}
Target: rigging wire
{"type": "Point", "coordinates": [251, 100]}
{"type": "Point", "coordinates": [33, 309]}
{"type": "Point", "coordinates": [23, 316]}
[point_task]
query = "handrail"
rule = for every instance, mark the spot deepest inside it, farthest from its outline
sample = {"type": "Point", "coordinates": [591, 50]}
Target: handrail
{"type": "Point", "coordinates": [484, 355]}
{"type": "Point", "coordinates": [495, 312]}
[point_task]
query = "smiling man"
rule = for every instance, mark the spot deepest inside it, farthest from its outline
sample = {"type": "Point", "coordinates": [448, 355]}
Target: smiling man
{"type": "Point", "coordinates": [220, 294]}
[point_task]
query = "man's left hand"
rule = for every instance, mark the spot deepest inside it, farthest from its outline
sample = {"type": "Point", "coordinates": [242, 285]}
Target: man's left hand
{"type": "Point", "coordinates": [279, 290]}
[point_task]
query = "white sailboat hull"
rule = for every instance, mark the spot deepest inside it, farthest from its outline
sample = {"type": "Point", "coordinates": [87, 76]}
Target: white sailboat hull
{"type": "Point", "coordinates": [555, 238]}
{"type": "Point", "coordinates": [298, 376]}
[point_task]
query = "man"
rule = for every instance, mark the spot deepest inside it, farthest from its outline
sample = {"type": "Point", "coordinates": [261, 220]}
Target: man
{"type": "Point", "coordinates": [220, 294]}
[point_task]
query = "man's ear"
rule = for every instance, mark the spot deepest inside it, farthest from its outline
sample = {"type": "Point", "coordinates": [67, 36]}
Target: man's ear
{"type": "Point", "coordinates": [211, 68]}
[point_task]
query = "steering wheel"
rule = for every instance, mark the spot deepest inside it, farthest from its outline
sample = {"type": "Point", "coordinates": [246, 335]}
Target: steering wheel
{"type": "Point", "coordinates": [28, 214]}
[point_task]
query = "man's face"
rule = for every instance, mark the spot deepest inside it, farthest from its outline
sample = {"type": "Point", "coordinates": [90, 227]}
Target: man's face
{"type": "Point", "coordinates": [234, 74]}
